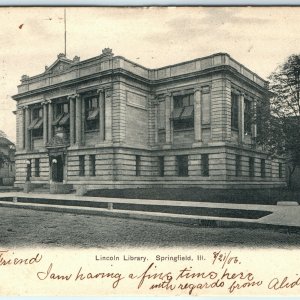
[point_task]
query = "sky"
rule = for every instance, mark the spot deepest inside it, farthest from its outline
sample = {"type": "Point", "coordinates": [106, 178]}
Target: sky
{"type": "Point", "coordinates": [261, 38]}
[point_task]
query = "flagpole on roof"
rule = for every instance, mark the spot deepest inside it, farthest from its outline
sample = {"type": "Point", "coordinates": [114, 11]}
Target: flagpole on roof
{"type": "Point", "coordinates": [65, 22]}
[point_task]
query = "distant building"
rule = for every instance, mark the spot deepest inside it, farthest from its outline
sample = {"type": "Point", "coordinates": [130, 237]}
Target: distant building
{"type": "Point", "coordinates": [7, 162]}
{"type": "Point", "coordinates": [107, 122]}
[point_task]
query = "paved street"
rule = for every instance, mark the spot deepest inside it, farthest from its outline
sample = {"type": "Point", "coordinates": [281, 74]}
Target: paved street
{"type": "Point", "coordinates": [21, 227]}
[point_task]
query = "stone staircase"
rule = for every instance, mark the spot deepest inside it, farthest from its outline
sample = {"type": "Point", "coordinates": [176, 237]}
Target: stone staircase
{"type": "Point", "coordinates": [54, 188]}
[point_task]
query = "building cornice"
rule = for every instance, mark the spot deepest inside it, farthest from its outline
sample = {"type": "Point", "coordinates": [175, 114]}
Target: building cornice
{"type": "Point", "coordinates": [152, 83]}
{"type": "Point", "coordinates": [65, 72]}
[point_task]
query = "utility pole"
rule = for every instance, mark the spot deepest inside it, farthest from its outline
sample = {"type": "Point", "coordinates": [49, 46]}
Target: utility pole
{"type": "Point", "coordinates": [65, 23]}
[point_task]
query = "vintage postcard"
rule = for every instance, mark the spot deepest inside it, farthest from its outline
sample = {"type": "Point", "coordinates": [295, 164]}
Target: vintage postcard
{"type": "Point", "coordinates": [149, 151]}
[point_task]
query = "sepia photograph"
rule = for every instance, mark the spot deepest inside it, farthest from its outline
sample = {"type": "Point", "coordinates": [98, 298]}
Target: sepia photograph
{"type": "Point", "coordinates": [146, 143]}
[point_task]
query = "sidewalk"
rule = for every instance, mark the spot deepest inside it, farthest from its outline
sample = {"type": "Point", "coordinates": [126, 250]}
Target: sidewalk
{"type": "Point", "coordinates": [279, 215]}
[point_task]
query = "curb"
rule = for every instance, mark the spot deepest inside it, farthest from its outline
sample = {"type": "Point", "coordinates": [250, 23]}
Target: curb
{"type": "Point", "coordinates": [188, 220]}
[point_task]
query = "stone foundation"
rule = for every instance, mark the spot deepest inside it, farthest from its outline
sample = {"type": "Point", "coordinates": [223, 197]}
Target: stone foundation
{"type": "Point", "coordinates": [28, 187]}
{"type": "Point", "coordinates": [60, 188]}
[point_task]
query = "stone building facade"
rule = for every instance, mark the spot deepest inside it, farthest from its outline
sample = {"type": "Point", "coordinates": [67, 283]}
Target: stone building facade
{"type": "Point", "coordinates": [107, 122]}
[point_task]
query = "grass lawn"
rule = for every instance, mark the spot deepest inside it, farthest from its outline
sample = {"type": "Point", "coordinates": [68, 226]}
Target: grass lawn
{"type": "Point", "coordinates": [246, 196]}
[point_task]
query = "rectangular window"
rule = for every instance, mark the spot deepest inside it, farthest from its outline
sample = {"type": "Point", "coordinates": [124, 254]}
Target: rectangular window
{"type": "Point", "coordinates": [37, 133]}
{"type": "Point", "coordinates": [28, 170]}
{"type": "Point", "coordinates": [238, 169]}
{"type": "Point", "coordinates": [205, 109]}
{"type": "Point", "coordinates": [37, 167]}
{"type": "Point", "coordinates": [92, 112]}
{"type": "Point", "coordinates": [161, 166]}
{"type": "Point", "coordinates": [36, 124]}
{"type": "Point", "coordinates": [183, 113]}
{"type": "Point", "coordinates": [234, 111]}
{"type": "Point", "coordinates": [182, 165]}
{"type": "Point", "coordinates": [251, 166]}
{"type": "Point", "coordinates": [61, 115]}
{"type": "Point", "coordinates": [263, 168]}
{"type": "Point", "coordinates": [247, 116]}
{"type": "Point", "coordinates": [37, 113]}
{"type": "Point", "coordinates": [61, 108]}
{"type": "Point", "coordinates": [262, 115]}
{"type": "Point", "coordinates": [138, 165]}
{"type": "Point", "coordinates": [92, 165]}
{"type": "Point", "coordinates": [205, 165]}
{"type": "Point", "coordinates": [161, 115]}
{"type": "Point", "coordinates": [280, 170]}
{"type": "Point", "coordinates": [81, 165]}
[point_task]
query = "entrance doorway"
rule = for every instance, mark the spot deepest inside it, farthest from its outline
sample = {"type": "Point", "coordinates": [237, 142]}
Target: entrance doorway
{"type": "Point", "coordinates": [57, 168]}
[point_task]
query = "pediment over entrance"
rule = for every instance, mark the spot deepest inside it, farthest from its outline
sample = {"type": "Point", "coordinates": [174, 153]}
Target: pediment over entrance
{"type": "Point", "coordinates": [61, 64]}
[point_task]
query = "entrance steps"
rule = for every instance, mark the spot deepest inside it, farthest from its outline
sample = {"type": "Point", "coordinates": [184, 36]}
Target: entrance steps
{"type": "Point", "coordinates": [42, 188]}
{"type": "Point", "coordinates": [53, 188]}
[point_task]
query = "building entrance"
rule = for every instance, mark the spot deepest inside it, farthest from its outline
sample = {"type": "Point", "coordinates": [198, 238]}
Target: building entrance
{"type": "Point", "coordinates": [57, 168]}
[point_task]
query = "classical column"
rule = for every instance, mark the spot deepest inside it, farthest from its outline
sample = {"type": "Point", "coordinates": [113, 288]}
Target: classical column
{"type": "Point", "coordinates": [197, 115]}
{"type": "Point", "coordinates": [170, 119]}
{"type": "Point", "coordinates": [26, 131]}
{"type": "Point", "coordinates": [72, 119]}
{"type": "Point", "coordinates": [241, 118]}
{"type": "Point", "coordinates": [50, 119]}
{"type": "Point", "coordinates": [108, 115]}
{"type": "Point", "coordinates": [78, 119]}
{"type": "Point", "coordinates": [21, 127]}
{"type": "Point", "coordinates": [101, 114]}
{"type": "Point", "coordinates": [168, 116]}
{"type": "Point", "coordinates": [155, 102]}
{"type": "Point", "coordinates": [254, 122]}
{"type": "Point", "coordinates": [45, 124]}
{"type": "Point", "coordinates": [82, 121]}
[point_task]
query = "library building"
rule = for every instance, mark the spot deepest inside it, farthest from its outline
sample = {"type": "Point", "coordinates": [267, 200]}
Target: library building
{"type": "Point", "coordinates": [108, 123]}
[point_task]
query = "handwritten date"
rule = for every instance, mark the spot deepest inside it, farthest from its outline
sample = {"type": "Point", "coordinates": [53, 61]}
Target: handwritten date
{"type": "Point", "coordinates": [224, 259]}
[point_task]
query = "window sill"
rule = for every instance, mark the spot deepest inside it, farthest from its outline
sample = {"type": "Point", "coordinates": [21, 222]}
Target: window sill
{"type": "Point", "coordinates": [184, 129]}
{"type": "Point", "coordinates": [91, 131]}
{"type": "Point", "coordinates": [205, 126]}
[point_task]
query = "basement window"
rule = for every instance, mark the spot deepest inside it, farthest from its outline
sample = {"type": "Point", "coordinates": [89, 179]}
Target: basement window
{"type": "Point", "coordinates": [81, 165]}
{"type": "Point", "coordinates": [37, 167]}
{"type": "Point", "coordinates": [280, 173]}
{"type": "Point", "coordinates": [161, 166]}
{"type": "Point", "coordinates": [205, 165]}
{"type": "Point", "coordinates": [182, 165]}
{"type": "Point", "coordinates": [251, 166]}
{"type": "Point", "coordinates": [263, 168]}
{"type": "Point", "coordinates": [93, 165]}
